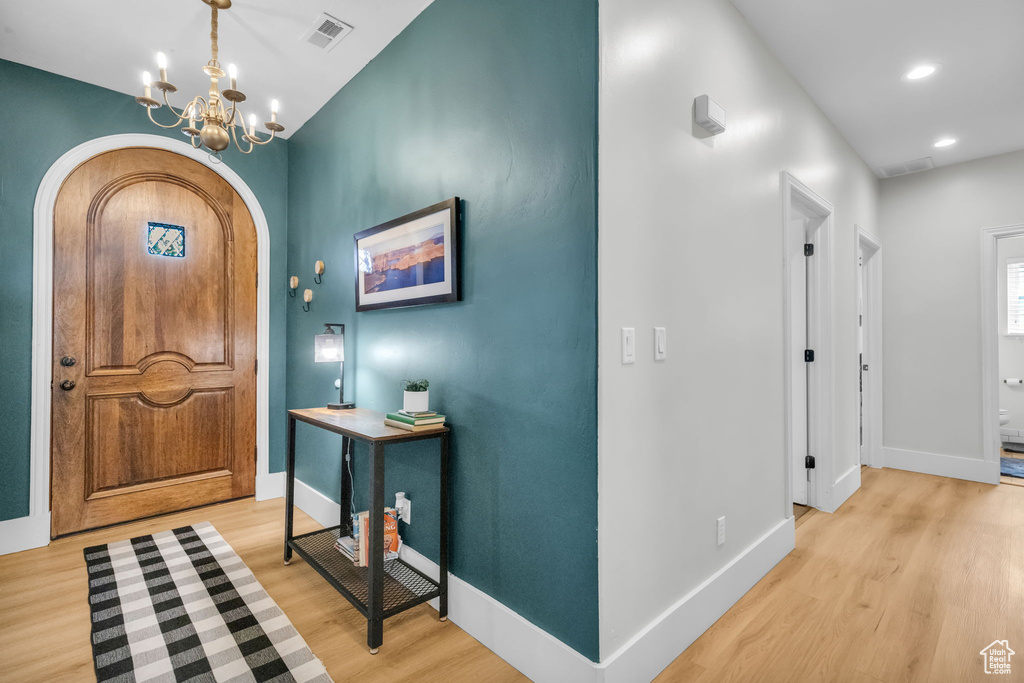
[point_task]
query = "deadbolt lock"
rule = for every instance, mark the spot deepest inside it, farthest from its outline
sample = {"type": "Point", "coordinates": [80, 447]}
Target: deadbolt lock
{"type": "Point", "coordinates": [68, 361]}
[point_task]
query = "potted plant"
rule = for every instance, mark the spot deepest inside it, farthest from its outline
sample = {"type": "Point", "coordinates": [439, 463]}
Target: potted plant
{"type": "Point", "coordinates": [416, 398]}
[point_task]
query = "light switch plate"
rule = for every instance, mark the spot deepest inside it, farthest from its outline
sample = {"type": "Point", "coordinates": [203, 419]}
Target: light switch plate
{"type": "Point", "coordinates": [628, 345]}
{"type": "Point", "coordinates": [660, 343]}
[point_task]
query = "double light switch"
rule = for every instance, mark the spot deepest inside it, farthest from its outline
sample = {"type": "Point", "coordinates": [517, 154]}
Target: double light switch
{"type": "Point", "coordinates": [629, 344]}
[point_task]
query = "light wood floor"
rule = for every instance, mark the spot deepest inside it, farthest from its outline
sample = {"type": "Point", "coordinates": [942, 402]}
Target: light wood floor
{"type": "Point", "coordinates": [44, 613]}
{"type": "Point", "coordinates": [908, 581]}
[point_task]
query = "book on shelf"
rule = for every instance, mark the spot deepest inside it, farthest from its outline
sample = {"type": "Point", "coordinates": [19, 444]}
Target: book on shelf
{"type": "Point", "coordinates": [416, 421]}
{"type": "Point", "coordinates": [361, 529]}
{"type": "Point", "coordinates": [347, 546]}
{"type": "Point", "coordinates": [411, 428]}
{"type": "Point", "coordinates": [418, 413]}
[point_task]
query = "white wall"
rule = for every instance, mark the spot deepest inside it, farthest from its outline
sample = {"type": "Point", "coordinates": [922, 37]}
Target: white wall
{"type": "Point", "coordinates": [932, 317]}
{"type": "Point", "coordinates": [1011, 349]}
{"type": "Point", "coordinates": [690, 238]}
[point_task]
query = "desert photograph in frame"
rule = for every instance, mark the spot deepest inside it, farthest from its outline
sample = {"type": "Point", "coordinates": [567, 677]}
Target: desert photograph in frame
{"type": "Point", "coordinates": [409, 261]}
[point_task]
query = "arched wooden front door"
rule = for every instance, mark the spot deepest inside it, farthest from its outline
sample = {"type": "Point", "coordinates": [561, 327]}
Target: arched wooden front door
{"type": "Point", "coordinates": [154, 340]}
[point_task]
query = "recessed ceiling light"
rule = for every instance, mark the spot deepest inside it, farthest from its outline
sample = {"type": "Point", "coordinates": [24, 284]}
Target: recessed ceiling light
{"type": "Point", "coordinates": [922, 71]}
{"type": "Point", "coordinates": [945, 142]}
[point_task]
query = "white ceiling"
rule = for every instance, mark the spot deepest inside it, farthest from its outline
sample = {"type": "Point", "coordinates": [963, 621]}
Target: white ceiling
{"type": "Point", "coordinates": [111, 42]}
{"type": "Point", "coordinates": [851, 55]}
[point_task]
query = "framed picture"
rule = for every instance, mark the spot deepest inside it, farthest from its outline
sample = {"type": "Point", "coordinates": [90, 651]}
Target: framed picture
{"type": "Point", "coordinates": [410, 261]}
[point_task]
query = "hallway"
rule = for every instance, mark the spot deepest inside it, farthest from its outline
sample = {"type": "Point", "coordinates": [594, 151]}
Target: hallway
{"type": "Point", "coordinates": [908, 581]}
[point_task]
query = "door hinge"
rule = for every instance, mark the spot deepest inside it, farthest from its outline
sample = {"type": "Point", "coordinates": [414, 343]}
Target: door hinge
{"type": "Point", "coordinates": [809, 356]}
{"type": "Point", "coordinates": [809, 462]}
{"type": "Point", "coordinates": [808, 250]}
{"type": "Point", "coordinates": [256, 366]}
{"type": "Point", "coordinates": [257, 280]}
{"type": "Point", "coordinates": [256, 453]}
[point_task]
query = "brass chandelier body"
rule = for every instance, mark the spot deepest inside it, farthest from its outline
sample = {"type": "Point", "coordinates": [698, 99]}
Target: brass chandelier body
{"type": "Point", "coordinates": [218, 122]}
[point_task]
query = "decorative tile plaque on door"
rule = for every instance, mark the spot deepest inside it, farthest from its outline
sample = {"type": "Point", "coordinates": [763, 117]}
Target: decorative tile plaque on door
{"type": "Point", "coordinates": [166, 240]}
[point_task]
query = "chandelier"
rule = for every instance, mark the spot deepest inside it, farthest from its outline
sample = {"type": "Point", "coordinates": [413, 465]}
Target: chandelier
{"type": "Point", "coordinates": [219, 124]}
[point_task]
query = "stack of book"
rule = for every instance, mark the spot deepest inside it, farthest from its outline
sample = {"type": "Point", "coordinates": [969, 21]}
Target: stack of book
{"type": "Point", "coordinates": [352, 546]}
{"type": "Point", "coordinates": [414, 422]}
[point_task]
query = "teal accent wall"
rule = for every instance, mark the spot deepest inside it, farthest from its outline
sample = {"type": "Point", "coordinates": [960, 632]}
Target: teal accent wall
{"type": "Point", "coordinates": [494, 102]}
{"type": "Point", "coordinates": [54, 115]}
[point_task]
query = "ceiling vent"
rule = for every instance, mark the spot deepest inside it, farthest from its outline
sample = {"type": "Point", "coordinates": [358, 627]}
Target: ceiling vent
{"type": "Point", "coordinates": [906, 167]}
{"type": "Point", "coordinates": [326, 32]}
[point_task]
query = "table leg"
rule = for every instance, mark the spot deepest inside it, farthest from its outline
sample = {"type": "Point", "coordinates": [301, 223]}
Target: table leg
{"type": "Point", "coordinates": [289, 494]}
{"type": "Point", "coordinates": [442, 601]}
{"type": "Point", "coordinates": [375, 593]}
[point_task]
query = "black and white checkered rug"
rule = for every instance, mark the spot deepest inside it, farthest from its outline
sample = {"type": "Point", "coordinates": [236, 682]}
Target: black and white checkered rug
{"type": "Point", "coordinates": [180, 605]}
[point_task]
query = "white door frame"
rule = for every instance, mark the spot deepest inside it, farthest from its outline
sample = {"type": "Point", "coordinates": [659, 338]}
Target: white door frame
{"type": "Point", "coordinates": [870, 278]}
{"type": "Point", "coordinates": [42, 313]}
{"type": "Point", "coordinates": [990, 340]}
{"type": "Point", "coordinates": [821, 386]}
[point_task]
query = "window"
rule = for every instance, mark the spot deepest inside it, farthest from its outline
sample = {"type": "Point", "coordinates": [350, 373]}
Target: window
{"type": "Point", "coordinates": [1015, 296]}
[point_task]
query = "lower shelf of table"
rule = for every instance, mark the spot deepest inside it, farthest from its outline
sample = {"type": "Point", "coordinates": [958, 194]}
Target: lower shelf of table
{"type": "Point", "coordinates": [404, 586]}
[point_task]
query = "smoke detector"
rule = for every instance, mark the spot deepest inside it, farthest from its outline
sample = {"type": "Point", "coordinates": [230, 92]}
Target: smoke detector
{"type": "Point", "coordinates": [326, 32]}
{"type": "Point", "coordinates": [925, 164]}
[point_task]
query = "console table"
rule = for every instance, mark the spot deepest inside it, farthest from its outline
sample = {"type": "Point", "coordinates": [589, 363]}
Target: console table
{"type": "Point", "coordinates": [384, 588]}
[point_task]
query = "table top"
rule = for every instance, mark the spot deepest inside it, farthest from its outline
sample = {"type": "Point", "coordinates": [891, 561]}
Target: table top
{"type": "Point", "coordinates": [361, 424]}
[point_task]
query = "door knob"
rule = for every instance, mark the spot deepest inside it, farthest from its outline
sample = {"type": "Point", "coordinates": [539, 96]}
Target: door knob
{"type": "Point", "coordinates": [68, 361]}
{"type": "Point", "coordinates": [67, 385]}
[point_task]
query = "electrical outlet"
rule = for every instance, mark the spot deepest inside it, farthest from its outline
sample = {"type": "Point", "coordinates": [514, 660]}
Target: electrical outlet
{"type": "Point", "coordinates": [403, 506]}
{"type": "Point", "coordinates": [720, 526]}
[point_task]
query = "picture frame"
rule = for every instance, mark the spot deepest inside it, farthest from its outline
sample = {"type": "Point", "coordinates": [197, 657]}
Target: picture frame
{"type": "Point", "coordinates": [409, 261]}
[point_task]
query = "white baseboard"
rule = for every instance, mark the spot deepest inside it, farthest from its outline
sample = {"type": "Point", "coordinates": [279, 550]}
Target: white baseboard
{"type": "Point", "coordinates": [971, 469]}
{"type": "Point", "coordinates": [24, 533]}
{"type": "Point", "coordinates": [270, 486]}
{"type": "Point", "coordinates": [845, 487]}
{"type": "Point", "coordinates": [650, 651]}
{"type": "Point", "coordinates": [315, 504]}
{"type": "Point", "coordinates": [542, 657]}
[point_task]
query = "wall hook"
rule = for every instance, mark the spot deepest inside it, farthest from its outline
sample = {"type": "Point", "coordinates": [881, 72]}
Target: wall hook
{"type": "Point", "coordinates": [318, 268]}
{"type": "Point", "coordinates": [307, 296]}
{"type": "Point", "coordinates": [293, 284]}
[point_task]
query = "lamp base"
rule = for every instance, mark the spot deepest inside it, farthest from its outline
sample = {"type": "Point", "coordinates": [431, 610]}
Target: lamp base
{"type": "Point", "coordinates": [340, 406]}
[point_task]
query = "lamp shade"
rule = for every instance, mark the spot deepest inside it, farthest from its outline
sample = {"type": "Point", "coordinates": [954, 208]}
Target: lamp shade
{"type": "Point", "coordinates": [330, 346]}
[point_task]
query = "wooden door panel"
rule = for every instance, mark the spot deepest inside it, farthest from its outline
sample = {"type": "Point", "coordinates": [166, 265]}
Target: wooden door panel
{"type": "Point", "coordinates": [162, 414]}
{"type": "Point", "coordinates": [191, 436]}
{"type": "Point", "coordinates": [143, 304]}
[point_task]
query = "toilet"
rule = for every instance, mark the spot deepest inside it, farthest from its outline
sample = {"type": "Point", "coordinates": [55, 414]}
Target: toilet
{"type": "Point", "coordinates": [1004, 416]}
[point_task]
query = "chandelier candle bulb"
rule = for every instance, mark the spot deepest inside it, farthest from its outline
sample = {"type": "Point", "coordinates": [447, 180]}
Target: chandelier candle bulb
{"type": "Point", "coordinates": [161, 61]}
{"type": "Point", "coordinates": [146, 80]}
{"type": "Point", "coordinates": [233, 73]}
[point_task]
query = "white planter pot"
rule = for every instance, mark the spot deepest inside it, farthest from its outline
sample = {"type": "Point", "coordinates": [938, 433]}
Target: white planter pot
{"type": "Point", "coordinates": [416, 401]}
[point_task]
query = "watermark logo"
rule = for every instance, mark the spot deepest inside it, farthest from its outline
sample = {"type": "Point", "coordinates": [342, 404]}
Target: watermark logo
{"type": "Point", "coordinates": [997, 657]}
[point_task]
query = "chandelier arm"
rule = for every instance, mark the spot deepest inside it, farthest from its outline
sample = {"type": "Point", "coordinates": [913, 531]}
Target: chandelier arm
{"type": "Point", "coordinates": [149, 112]}
{"type": "Point", "coordinates": [273, 133]}
{"type": "Point", "coordinates": [230, 121]}
{"type": "Point", "coordinates": [192, 139]}
{"type": "Point", "coordinates": [173, 110]}
{"type": "Point", "coordinates": [234, 136]}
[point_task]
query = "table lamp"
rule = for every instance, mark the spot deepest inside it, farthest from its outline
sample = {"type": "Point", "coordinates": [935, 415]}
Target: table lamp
{"type": "Point", "coordinates": [330, 348]}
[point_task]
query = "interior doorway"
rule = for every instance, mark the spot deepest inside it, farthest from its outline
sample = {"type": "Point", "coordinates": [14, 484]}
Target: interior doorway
{"type": "Point", "coordinates": [1009, 275]}
{"type": "Point", "coordinates": [869, 340]}
{"type": "Point", "coordinates": [808, 255]}
{"type": "Point", "coordinates": [154, 340]}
